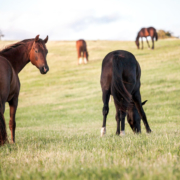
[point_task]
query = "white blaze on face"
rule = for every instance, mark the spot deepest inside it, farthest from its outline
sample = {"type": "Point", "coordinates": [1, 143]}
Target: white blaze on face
{"type": "Point", "coordinates": [103, 131]}
{"type": "Point", "coordinates": [122, 133]}
{"type": "Point", "coordinates": [80, 60]}
{"type": "Point", "coordinates": [85, 60]}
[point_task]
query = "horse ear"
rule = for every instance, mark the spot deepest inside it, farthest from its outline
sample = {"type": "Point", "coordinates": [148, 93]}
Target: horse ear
{"type": "Point", "coordinates": [143, 103]}
{"type": "Point", "coordinates": [46, 40]}
{"type": "Point", "coordinates": [36, 38]}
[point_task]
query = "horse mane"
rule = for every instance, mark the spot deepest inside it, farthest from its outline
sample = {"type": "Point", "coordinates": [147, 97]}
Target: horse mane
{"type": "Point", "coordinates": [15, 45]}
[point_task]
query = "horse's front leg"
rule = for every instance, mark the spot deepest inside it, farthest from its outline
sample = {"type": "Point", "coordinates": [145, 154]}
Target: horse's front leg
{"type": "Point", "coordinates": [152, 43]}
{"type": "Point", "coordinates": [147, 42]}
{"type": "Point", "coordinates": [12, 123]}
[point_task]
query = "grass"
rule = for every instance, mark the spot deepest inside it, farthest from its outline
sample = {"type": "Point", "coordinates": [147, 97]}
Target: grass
{"type": "Point", "coordinates": [59, 118]}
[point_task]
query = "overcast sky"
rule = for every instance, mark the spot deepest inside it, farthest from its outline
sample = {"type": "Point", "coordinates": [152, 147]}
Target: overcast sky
{"type": "Point", "coordinates": [87, 19]}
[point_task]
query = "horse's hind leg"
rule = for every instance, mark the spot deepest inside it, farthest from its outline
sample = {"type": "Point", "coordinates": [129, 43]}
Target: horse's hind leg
{"type": "Point", "coordinates": [85, 57]}
{"type": "Point", "coordinates": [117, 120]}
{"type": "Point", "coordinates": [137, 100]}
{"type": "Point", "coordinates": [12, 123]}
{"type": "Point", "coordinates": [105, 110]}
{"type": "Point", "coordinates": [3, 133]}
{"type": "Point", "coordinates": [120, 117]}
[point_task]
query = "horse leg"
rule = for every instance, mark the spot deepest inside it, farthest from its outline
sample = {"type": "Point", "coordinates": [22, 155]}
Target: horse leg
{"type": "Point", "coordinates": [3, 133]}
{"type": "Point", "coordinates": [105, 110]}
{"type": "Point", "coordinates": [85, 57]}
{"type": "Point", "coordinates": [122, 119]}
{"type": "Point", "coordinates": [152, 42]}
{"type": "Point", "coordinates": [137, 100]}
{"type": "Point", "coordinates": [147, 42]}
{"type": "Point", "coordinates": [142, 42]}
{"type": "Point", "coordinates": [79, 57]}
{"type": "Point", "coordinates": [12, 123]}
{"type": "Point", "coordinates": [117, 120]}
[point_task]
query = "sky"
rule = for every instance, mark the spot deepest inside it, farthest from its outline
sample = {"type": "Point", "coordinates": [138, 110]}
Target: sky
{"type": "Point", "coordinates": [86, 19]}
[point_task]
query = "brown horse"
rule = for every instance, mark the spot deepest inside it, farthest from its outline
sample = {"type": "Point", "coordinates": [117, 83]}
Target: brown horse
{"type": "Point", "coordinates": [13, 59]}
{"type": "Point", "coordinates": [82, 51]}
{"type": "Point", "coordinates": [145, 32]}
{"type": "Point", "coordinates": [120, 77]}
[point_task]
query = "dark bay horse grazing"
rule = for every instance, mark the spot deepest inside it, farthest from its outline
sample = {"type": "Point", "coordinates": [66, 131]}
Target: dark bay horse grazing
{"type": "Point", "coordinates": [82, 51]}
{"type": "Point", "coordinates": [120, 77]}
{"type": "Point", "coordinates": [12, 60]}
{"type": "Point", "coordinates": [145, 32]}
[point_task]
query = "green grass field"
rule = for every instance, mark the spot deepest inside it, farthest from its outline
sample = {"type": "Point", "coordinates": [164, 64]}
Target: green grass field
{"type": "Point", "coordinates": [59, 118]}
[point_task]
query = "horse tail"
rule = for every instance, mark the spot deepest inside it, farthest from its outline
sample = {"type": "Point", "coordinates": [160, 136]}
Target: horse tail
{"type": "Point", "coordinates": [122, 97]}
{"type": "Point", "coordinates": [3, 133]}
{"type": "Point", "coordinates": [156, 35]}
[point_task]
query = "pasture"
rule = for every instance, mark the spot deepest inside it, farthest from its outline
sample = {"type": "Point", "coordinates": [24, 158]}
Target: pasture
{"type": "Point", "coordinates": [59, 118]}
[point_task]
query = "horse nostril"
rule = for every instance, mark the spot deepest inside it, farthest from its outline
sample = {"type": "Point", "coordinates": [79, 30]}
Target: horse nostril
{"type": "Point", "coordinates": [45, 69]}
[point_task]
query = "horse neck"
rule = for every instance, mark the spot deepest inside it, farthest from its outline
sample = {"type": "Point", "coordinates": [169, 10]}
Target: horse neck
{"type": "Point", "coordinates": [19, 57]}
{"type": "Point", "coordinates": [137, 38]}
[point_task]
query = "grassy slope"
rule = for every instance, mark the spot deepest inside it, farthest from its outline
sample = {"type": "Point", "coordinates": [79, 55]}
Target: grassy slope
{"type": "Point", "coordinates": [59, 118]}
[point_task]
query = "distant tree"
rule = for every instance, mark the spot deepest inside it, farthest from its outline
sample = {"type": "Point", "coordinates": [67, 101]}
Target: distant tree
{"type": "Point", "coordinates": [1, 34]}
{"type": "Point", "coordinates": [164, 34]}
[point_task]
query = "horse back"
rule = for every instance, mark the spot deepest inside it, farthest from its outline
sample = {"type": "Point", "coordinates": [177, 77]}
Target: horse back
{"type": "Point", "coordinates": [129, 68]}
{"type": "Point", "coordinates": [150, 31]}
{"type": "Point", "coordinates": [81, 45]}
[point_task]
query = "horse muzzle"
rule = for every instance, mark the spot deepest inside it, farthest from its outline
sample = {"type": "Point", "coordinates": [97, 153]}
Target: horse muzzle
{"type": "Point", "coordinates": [44, 69]}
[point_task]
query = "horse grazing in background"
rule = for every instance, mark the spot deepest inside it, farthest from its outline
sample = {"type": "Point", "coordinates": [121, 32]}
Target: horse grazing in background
{"type": "Point", "coordinates": [82, 51]}
{"type": "Point", "coordinates": [145, 32]}
{"type": "Point", "coordinates": [120, 77]}
{"type": "Point", "coordinates": [12, 60]}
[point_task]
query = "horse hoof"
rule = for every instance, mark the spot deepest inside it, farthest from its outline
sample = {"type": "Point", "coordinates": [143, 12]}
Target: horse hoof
{"type": "Point", "coordinates": [149, 131]}
{"type": "Point", "coordinates": [103, 131]}
{"type": "Point", "coordinates": [122, 133]}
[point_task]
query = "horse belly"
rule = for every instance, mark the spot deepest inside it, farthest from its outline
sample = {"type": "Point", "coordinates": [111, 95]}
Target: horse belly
{"type": "Point", "coordinates": [14, 86]}
{"type": "Point", "coordinates": [5, 79]}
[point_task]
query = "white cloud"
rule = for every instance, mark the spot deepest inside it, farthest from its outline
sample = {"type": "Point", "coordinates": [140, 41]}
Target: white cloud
{"type": "Point", "coordinates": [71, 20]}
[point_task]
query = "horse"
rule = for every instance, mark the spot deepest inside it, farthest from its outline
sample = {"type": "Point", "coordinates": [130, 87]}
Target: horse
{"type": "Point", "coordinates": [82, 51]}
{"type": "Point", "coordinates": [145, 32]}
{"type": "Point", "coordinates": [13, 59]}
{"type": "Point", "coordinates": [120, 77]}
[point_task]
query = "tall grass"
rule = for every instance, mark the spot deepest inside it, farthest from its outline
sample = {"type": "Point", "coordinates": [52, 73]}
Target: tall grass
{"type": "Point", "coordinates": [59, 118]}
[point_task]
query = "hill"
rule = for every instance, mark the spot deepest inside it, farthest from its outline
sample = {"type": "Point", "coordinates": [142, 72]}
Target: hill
{"type": "Point", "coordinates": [59, 118]}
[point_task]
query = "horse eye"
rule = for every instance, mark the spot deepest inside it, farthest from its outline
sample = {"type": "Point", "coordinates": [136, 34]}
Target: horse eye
{"type": "Point", "coordinates": [36, 51]}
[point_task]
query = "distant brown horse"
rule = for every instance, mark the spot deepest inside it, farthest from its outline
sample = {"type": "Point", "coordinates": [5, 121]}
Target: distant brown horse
{"type": "Point", "coordinates": [82, 51]}
{"type": "Point", "coordinates": [12, 60]}
{"type": "Point", "coordinates": [120, 77]}
{"type": "Point", "coordinates": [145, 32]}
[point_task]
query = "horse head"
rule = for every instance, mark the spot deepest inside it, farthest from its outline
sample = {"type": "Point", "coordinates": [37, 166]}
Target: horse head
{"type": "Point", "coordinates": [38, 54]}
{"type": "Point", "coordinates": [134, 118]}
